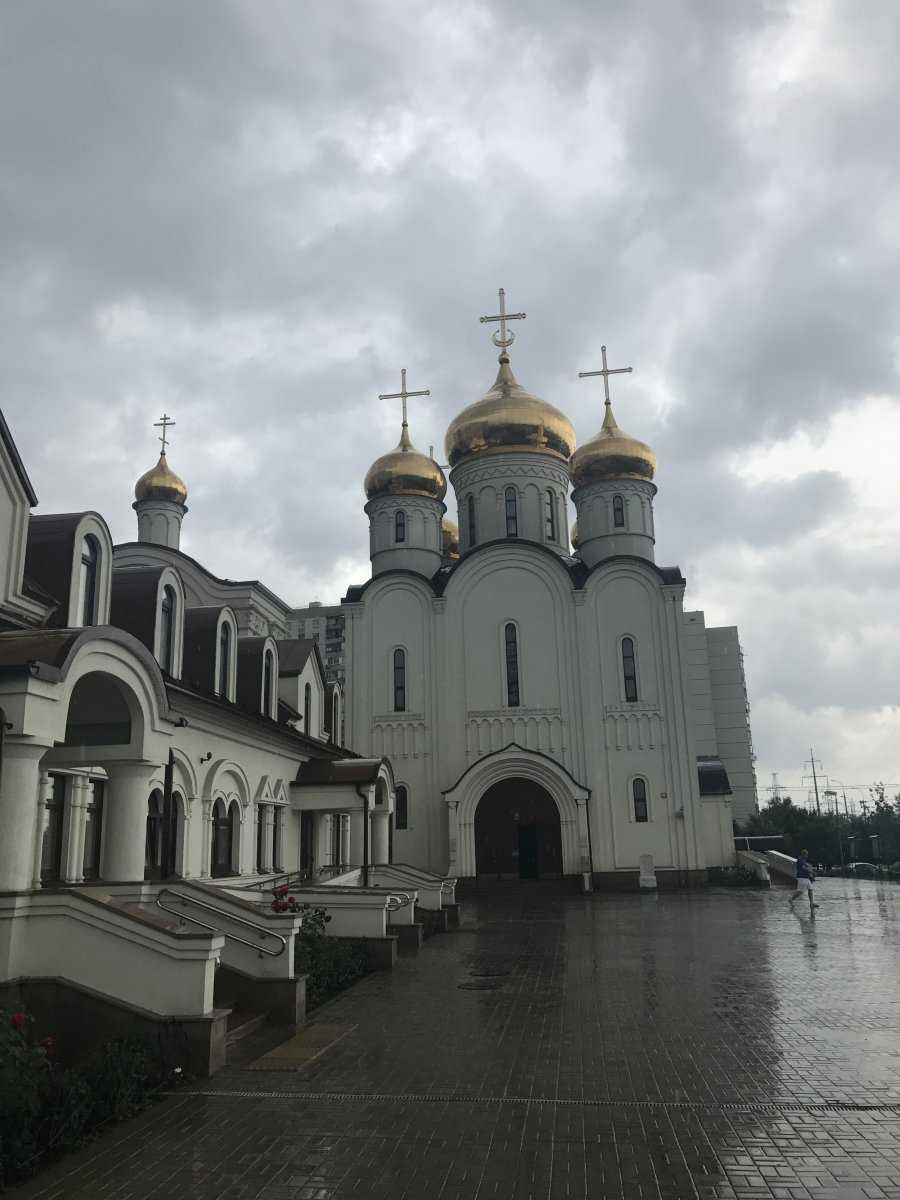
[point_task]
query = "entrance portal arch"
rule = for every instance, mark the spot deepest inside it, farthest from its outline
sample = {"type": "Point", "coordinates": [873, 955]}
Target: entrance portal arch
{"type": "Point", "coordinates": [522, 772]}
{"type": "Point", "coordinates": [517, 832]}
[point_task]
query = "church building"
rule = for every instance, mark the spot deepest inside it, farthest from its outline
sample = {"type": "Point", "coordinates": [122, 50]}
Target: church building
{"type": "Point", "coordinates": [548, 706]}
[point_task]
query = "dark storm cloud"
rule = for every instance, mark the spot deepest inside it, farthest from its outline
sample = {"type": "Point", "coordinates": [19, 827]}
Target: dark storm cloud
{"type": "Point", "coordinates": [253, 214]}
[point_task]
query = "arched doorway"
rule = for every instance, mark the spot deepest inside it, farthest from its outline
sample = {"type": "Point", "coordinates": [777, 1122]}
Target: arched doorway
{"type": "Point", "coordinates": [517, 832]}
{"type": "Point", "coordinates": [162, 836]}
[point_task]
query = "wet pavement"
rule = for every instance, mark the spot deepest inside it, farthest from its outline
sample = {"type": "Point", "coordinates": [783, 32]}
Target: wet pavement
{"type": "Point", "coordinates": [704, 1044]}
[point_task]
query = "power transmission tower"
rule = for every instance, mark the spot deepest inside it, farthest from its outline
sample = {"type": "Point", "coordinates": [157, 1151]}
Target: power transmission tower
{"type": "Point", "coordinates": [812, 761]}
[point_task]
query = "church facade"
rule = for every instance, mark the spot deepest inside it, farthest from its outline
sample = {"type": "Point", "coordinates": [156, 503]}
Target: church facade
{"type": "Point", "coordinates": [547, 710]}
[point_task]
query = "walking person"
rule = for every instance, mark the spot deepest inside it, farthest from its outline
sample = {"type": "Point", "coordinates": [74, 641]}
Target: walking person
{"type": "Point", "coordinates": [805, 879]}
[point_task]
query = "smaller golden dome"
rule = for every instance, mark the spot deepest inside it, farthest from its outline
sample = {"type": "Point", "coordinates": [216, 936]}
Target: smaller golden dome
{"type": "Point", "coordinates": [405, 472]}
{"type": "Point", "coordinates": [161, 483]}
{"type": "Point", "coordinates": [450, 538]}
{"type": "Point", "coordinates": [574, 535]}
{"type": "Point", "coordinates": [509, 418]}
{"type": "Point", "coordinates": [612, 454]}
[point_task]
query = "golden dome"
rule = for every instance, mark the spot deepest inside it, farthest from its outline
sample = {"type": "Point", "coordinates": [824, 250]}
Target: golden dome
{"type": "Point", "coordinates": [574, 535]}
{"type": "Point", "coordinates": [450, 538]}
{"type": "Point", "coordinates": [612, 454]}
{"type": "Point", "coordinates": [509, 418]}
{"type": "Point", "coordinates": [405, 472]}
{"type": "Point", "coordinates": [161, 483]}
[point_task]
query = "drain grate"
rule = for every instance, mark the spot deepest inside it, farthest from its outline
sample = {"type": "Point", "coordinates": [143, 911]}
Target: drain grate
{"type": "Point", "coordinates": [772, 1106]}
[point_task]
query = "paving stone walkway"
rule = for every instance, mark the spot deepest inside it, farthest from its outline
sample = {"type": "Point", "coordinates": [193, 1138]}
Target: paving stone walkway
{"type": "Point", "coordinates": [708, 1044]}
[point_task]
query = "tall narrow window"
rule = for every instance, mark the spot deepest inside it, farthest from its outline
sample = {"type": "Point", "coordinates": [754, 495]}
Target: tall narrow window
{"type": "Point", "coordinates": [400, 526]}
{"type": "Point", "coordinates": [401, 806]}
{"type": "Point", "coordinates": [512, 513]}
{"type": "Point", "coordinates": [223, 829]}
{"type": "Point", "coordinates": [550, 515]}
{"type": "Point", "coordinates": [93, 831]}
{"type": "Point", "coordinates": [639, 795]}
{"type": "Point", "coordinates": [473, 532]}
{"type": "Point", "coordinates": [307, 709]}
{"type": "Point", "coordinates": [336, 822]}
{"type": "Point", "coordinates": [512, 665]}
{"type": "Point", "coordinates": [224, 659]}
{"type": "Point", "coordinates": [260, 837]}
{"type": "Point", "coordinates": [618, 512]}
{"type": "Point", "coordinates": [277, 837]}
{"type": "Point", "coordinates": [629, 672]}
{"type": "Point", "coordinates": [51, 847]}
{"type": "Point", "coordinates": [269, 701]}
{"type": "Point", "coordinates": [399, 681]}
{"type": "Point", "coordinates": [167, 630]}
{"type": "Point", "coordinates": [90, 562]}
{"type": "Point", "coordinates": [335, 720]}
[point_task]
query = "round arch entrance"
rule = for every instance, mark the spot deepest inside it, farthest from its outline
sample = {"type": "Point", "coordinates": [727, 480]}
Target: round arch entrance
{"type": "Point", "coordinates": [517, 832]}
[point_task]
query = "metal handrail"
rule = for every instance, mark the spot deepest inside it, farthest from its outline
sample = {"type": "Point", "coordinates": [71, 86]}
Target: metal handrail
{"type": "Point", "coordinates": [274, 881]}
{"type": "Point", "coordinates": [223, 912]}
{"type": "Point", "coordinates": [407, 869]}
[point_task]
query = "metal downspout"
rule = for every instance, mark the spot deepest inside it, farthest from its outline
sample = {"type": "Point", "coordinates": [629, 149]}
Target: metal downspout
{"type": "Point", "coordinates": [365, 863]}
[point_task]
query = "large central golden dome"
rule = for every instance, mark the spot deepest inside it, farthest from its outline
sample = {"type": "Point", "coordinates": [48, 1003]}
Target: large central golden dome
{"type": "Point", "coordinates": [612, 454]}
{"type": "Point", "coordinates": [509, 418]}
{"type": "Point", "coordinates": [405, 471]}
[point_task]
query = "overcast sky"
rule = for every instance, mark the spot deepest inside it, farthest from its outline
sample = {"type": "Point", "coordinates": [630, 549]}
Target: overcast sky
{"type": "Point", "coordinates": [252, 214]}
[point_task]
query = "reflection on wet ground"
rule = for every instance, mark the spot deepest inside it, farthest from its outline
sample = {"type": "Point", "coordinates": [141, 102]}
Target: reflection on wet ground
{"type": "Point", "coordinates": [707, 1044]}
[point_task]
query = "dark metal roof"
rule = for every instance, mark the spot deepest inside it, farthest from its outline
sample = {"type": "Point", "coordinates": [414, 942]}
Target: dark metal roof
{"type": "Point", "coordinates": [713, 776]}
{"type": "Point", "coordinates": [322, 772]}
{"type": "Point", "coordinates": [176, 554]}
{"type": "Point", "coordinates": [18, 466]}
{"type": "Point", "coordinates": [49, 555]}
{"type": "Point", "coordinates": [133, 601]}
{"type": "Point", "coordinates": [49, 646]}
{"type": "Point", "coordinates": [294, 654]}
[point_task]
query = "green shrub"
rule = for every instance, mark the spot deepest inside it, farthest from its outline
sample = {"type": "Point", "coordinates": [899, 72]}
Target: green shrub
{"type": "Point", "coordinates": [46, 1108]}
{"type": "Point", "coordinates": [330, 964]}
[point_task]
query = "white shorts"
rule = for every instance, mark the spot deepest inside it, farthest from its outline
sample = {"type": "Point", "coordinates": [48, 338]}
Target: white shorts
{"type": "Point", "coordinates": [804, 885]}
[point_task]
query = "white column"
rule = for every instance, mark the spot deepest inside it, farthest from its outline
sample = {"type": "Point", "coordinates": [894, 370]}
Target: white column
{"type": "Point", "coordinates": [45, 794]}
{"type": "Point", "coordinates": [78, 794]}
{"type": "Point", "coordinates": [357, 837]}
{"type": "Point", "coordinates": [18, 796]}
{"type": "Point", "coordinates": [268, 854]}
{"type": "Point", "coordinates": [126, 820]}
{"type": "Point", "coordinates": [345, 838]}
{"type": "Point", "coordinates": [379, 848]}
{"type": "Point", "coordinates": [453, 838]}
{"type": "Point", "coordinates": [183, 850]}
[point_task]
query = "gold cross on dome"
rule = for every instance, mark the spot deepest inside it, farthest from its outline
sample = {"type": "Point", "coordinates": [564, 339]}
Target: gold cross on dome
{"type": "Point", "coordinates": [403, 394]}
{"type": "Point", "coordinates": [165, 422]}
{"type": "Point", "coordinates": [506, 337]}
{"type": "Point", "coordinates": [605, 372]}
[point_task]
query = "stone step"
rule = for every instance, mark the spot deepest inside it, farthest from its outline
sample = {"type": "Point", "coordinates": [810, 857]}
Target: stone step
{"type": "Point", "coordinates": [241, 1024]}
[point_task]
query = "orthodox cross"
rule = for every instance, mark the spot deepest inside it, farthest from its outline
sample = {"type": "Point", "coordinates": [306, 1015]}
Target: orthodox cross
{"type": "Point", "coordinates": [505, 338]}
{"type": "Point", "coordinates": [605, 372]}
{"type": "Point", "coordinates": [165, 422]}
{"type": "Point", "coordinates": [403, 394]}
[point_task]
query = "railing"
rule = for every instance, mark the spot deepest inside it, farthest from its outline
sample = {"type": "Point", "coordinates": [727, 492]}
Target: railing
{"type": "Point", "coordinates": [224, 913]}
{"type": "Point", "coordinates": [275, 881]}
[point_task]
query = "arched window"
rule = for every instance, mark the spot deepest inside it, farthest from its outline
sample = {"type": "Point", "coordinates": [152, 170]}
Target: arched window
{"type": "Point", "coordinates": [223, 824]}
{"type": "Point", "coordinates": [512, 513]}
{"type": "Point", "coordinates": [618, 512]}
{"type": "Point", "coordinates": [629, 671]}
{"type": "Point", "coordinates": [639, 795]}
{"type": "Point", "coordinates": [307, 709]}
{"type": "Point", "coordinates": [90, 566]}
{"type": "Point", "coordinates": [269, 700]}
{"type": "Point", "coordinates": [161, 836]}
{"type": "Point", "coordinates": [335, 720]}
{"type": "Point", "coordinates": [400, 526]}
{"type": "Point", "coordinates": [550, 515]}
{"type": "Point", "coordinates": [510, 637]}
{"type": "Point", "coordinates": [224, 660]}
{"type": "Point", "coordinates": [167, 630]}
{"type": "Point", "coordinates": [399, 681]}
{"type": "Point", "coordinates": [401, 806]}
{"type": "Point", "coordinates": [473, 532]}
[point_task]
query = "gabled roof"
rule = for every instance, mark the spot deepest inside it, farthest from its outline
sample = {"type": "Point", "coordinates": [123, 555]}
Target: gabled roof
{"type": "Point", "coordinates": [15, 458]}
{"type": "Point", "coordinates": [295, 653]}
